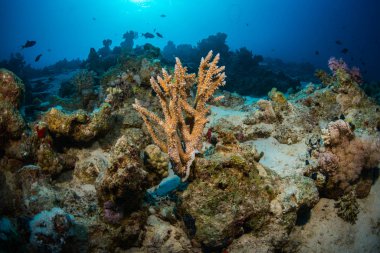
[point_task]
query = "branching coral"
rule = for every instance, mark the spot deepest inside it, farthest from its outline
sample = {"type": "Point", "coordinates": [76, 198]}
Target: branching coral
{"type": "Point", "coordinates": [184, 117]}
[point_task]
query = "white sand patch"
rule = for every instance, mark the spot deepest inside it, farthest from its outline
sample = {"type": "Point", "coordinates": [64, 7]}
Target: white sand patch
{"type": "Point", "coordinates": [326, 232]}
{"type": "Point", "coordinates": [284, 159]}
{"type": "Point", "coordinates": [236, 117]}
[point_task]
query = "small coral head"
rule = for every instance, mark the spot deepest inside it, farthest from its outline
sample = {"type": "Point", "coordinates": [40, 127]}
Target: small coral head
{"type": "Point", "coordinates": [335, 64]}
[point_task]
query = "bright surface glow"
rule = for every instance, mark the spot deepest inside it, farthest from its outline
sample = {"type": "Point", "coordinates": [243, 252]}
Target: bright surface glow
{"type": "Point", "coordinates": [139, 1]}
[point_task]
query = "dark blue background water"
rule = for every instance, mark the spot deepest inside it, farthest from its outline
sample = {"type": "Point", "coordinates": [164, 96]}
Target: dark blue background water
{"type": "Point", "coordinates": [288, 29]}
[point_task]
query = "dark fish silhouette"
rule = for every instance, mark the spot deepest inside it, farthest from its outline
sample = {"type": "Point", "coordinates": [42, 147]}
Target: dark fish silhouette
{"type": "Point", "coordinates": [38, 57]}
{"type": "Point", "coordinates": [93, 18]}
{"type": "Point", "coordinates": [49, 50]}
{"type": "Point", "coordinates": [29, 43]}
{"type": "Point", "coordinates": [338, 42]}
{"type": "Point", "coordinates": [163, 16]}
{"type": "Point", "coordinates": [316, 52]}
{"type": "Point", "coordinates": [246, 24]}
{"type": "Point", "coordinates": [344, 50]}
{"type": "Point", "coordinates": [148, 35]}
{"type": "Point", "coordinates": [159, 35]}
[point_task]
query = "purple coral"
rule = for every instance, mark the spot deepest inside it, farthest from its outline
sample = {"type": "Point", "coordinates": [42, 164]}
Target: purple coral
{"type": "Point", "coordinates": [339, 65]}
{"type": "Point", "coordinates": [111, 212]}
{"type": "Point", "coordinates": [336, 64]}
{"type": "Point", "coordinates": [356, 75]}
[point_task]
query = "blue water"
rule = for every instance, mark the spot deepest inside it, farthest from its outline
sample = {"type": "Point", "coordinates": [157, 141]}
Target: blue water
{"type": "Point", "coordinates": [292, 30]}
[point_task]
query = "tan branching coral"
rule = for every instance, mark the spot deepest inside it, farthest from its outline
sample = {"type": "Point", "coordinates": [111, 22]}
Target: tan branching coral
{"type": "Point", "coordinates": [180, 132]}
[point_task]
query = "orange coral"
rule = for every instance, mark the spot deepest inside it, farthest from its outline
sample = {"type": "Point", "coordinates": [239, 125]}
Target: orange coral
{"type": "Point", "coordinates": [184, 117]}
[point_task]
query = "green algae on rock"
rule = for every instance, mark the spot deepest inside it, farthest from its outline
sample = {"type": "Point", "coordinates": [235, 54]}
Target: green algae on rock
{"type": "Point", "coordinates": [79, 126]}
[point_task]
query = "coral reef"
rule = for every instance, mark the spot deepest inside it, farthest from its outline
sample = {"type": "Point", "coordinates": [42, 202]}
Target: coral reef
{"type": "Point", "coordinates": [156, 160]}
{"type": "Point", "coordinates": [11, 95]}
{"type": "Point", "coordinates": [233, 195]}
{"type": "Point", "coordinates": [128, 37]}
{"type": "Point", "coordinates": [50, 230]}
{"type": "Point", "coordinates": [84, 83]}
{"type": "Point", "coordinates": [11, 88]}
{"type": "Point", "coordinates": [245, 73]}
{"type": "Point", "coordinates": [125, 180]}
{"type": "Point", "coordinates": [264, 114]}
{"type": "Point", "coordinates": [161, 236]}
{"type": "Point", "coordinates": [80, 172]}
{"type": "Point", "coordinates": [348, 207]}
{"type": "Point", "coordinates": [78, 126]}
{"type": "Point", "coordinates": [34, 190]}
{"type": "Point", "coordinates": [89, 166]}
{"type": "Point", "coordinates": [344, 157]}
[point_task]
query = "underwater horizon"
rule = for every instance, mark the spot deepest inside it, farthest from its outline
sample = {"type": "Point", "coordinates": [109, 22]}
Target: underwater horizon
{"type": "Point", "coordinates": [155, 126]}
{"type": "Point", "coordinates": [291, 30]}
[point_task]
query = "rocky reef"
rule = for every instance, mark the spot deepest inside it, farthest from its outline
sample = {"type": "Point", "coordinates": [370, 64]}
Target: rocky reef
{"type": "Point", "coordinates": [179, 172]}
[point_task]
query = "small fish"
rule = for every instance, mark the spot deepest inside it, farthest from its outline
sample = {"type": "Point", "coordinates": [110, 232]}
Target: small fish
{"type": "Point", "coordinates": [316, 52]}
{"type": "Point", "coordinates": [163, 16]}
{"type": "Point", "coordinates": [246, 24]}
{"type": "Point", "coordinates": [338, 42]}
{"type": "Point", "coordinates": [29, 43]}
{"type": "Point", "coordinates": [38, 57]}
{"type": "Point", "coordinates": [49, 50]}
{"type": "Point", "coordinates": [93, 18]}
{"type": "Point", "coordinates": [148, 35]}
{"type": "Point", "coordinates": [159, 35]}
{"type": "Point", "coordinates": [344, 50]}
